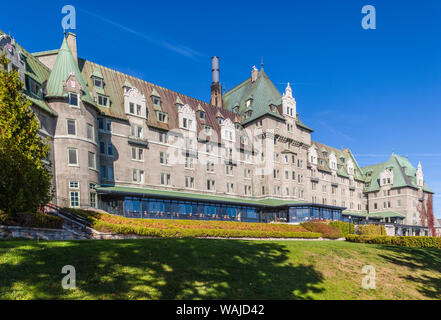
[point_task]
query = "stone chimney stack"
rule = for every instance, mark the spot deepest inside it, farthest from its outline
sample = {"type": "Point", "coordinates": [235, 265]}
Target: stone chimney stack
{"type": "Point", "coordinates": [72, 43]}
{"type": "Point", "coordinates": [216, 88]}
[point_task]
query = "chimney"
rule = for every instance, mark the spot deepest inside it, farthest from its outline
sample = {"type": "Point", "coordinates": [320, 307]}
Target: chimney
{"type": "Point", "coordinates": [72, 43]}
{"type": "Point", "coordinates": [216, 88]}
{"type": "Point", "coordinates": [254, 74]}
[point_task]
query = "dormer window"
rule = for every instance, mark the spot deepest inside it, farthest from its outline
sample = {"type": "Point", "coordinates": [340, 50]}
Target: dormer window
{"type": "Point", "coordinates": [73, 99]}
{"type": "Point", "coordinates": [236, 109]}
{"type": "Point", "coordinates": [201, 115]}
{"type": "Point", "coordinates": [102, 100]}
{"type": "Point", "coordinates": [179, 105]}
{"type": "Point", "coordinates": [238, 126]}
{"type": "Point", "coordinates": [156, 101]}
{"type": "Point", "coordinates": [98, 82]}
{"type": "Point", "coordinates": [162, 116]}
{"type": "Point", "coordinates": [249, 102]}
{"type": "Point", "coordinates": [207, 129]}
{"type": "Point", "coordinates": [325, 154]}
{"type": "Point", "coordinates": [220, 120]}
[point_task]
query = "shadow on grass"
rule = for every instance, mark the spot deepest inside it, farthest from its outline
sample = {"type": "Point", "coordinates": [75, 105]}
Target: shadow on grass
{"type": "Point", "coordinates": [156, 269]}
{"type": "Point", "coordinates": [418, 259]}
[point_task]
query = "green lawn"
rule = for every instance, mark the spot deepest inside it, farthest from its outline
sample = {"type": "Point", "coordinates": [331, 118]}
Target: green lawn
{"type": "Point", "coordinates": [216, 269]}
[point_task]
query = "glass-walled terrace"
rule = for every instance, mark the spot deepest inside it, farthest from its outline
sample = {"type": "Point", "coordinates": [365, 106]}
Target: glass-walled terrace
{"type": "Point", "coordinates": [150, 208]}
{"type": "Point", "coordinates": [299, 214]}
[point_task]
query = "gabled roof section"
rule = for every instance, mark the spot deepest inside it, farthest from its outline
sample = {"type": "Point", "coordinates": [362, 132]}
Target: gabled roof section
{"type": "Point", "coordinates": [115, 80]}
{"type": "Point", "coordinates": [404, 174]}
{"type": "Point", "coordinates": [342, 157]}
{"type": "Point", "coordinates": [65, 64]}
{"type": "Point", "coordinates": [263, 94]}
{"type": "Point", "coordinates": [36, 70]}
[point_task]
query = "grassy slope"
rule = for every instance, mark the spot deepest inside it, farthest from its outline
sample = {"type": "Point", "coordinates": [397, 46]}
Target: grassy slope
{"type": "Point", "coordinates": [216, 269]}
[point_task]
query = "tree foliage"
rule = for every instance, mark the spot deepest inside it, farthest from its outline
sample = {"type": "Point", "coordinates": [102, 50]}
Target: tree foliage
{"type": "Point", "coordinates": [25, 181]}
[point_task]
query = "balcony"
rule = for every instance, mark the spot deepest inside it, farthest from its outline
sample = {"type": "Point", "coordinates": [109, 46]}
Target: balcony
{"type": "Point", "coordinates": [314, 179]}
{"type": "Point", "coordinates": [334, 184]}
{"type": "Point", "coordinates": [143, 142]}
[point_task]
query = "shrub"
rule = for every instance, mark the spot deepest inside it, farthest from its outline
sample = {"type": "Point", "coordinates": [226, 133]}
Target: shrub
{"type": "Point", "coordinates": [191, 228]}
{"type": "Point", "coordinates": [32, 220]}
{"type": "Point", "coordinates": [371, 229]}
{"type": "Point", "coordinates": [344, 227]}
{"type": "Point", "coordinates": [414, 242]}
{"type": "Point", "coordinates": [327, 231]}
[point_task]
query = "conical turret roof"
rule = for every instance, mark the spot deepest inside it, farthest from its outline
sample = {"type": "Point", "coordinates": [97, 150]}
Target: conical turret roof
{"type": "Point", "coordinates": [64, 66]}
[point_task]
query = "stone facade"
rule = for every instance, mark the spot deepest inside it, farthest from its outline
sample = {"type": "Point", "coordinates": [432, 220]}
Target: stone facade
{"type": "Point", "coordinates": [251, 145]}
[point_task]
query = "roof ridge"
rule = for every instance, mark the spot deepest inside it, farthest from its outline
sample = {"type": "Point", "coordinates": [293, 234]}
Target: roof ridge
{"type": "Point", "coordinates": [150, 83]}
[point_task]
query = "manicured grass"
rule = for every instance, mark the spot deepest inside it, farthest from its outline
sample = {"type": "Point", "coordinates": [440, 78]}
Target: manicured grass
{"type": "Point", "coordinates": [216, 269]}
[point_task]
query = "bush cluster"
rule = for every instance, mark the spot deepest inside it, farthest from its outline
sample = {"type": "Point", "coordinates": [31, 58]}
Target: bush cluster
{"type": "Point", "coordinates": [371, 230]}
{"type": "Point", "coordinates": [32, 220]}
{"type": "Point", "coordinates": [414, 242]}
{"type": "Point", "coordinates": [328, 231]}
{"type": "Point", "coordinates": [344, 227]}
{"type": "Point", "coordinates": [192, 228]}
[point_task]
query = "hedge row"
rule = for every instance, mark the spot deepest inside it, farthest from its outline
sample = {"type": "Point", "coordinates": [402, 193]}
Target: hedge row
{"type": "Point", "coordinates": [328, 231]}
{"type": "Point", "coordinates": [414, 242]}
{"type": "Point", "coordinates": [344, 227]}
{"type": "Point", "coordinates": [196, 232]}
{"type": "Point", "coordinates": [371, 230]}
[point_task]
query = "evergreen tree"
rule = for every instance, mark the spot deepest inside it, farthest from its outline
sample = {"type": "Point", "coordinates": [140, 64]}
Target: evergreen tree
{"type": "Point", "coordinates": [25, 182]}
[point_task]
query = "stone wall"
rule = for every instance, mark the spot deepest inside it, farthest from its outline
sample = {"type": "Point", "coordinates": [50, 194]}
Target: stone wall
{"type": "Point", "coordinates": [8, 232]}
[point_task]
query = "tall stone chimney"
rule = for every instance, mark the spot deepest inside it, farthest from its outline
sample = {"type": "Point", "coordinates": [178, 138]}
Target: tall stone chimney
{"type": "Point", "coordinates": [216, 88]}
{"type": "Point", "coordinates": [72, 43]}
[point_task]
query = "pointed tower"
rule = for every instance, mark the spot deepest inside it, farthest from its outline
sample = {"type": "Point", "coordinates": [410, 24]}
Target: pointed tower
{"type": "Point", "coordinates": [420, 176]}
{"type": "Point", "coordinates": [65, 68]}
{"type": "Point", "coordinates": [289, 103]}
{"type": "Point", "coordinates": [76, 154]}
{"type": "Point", "coordinates": [216, 88]}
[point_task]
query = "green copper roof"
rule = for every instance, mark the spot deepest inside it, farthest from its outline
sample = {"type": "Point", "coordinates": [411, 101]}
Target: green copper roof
{"type": "Point", "coordinates": [375, 215]}
{"type": "Point", "coordinates": [403, 172]}
{"type": "Point", "coordinates": [97, 73]}
{"type": "Point", "coordinates": [195, 196]}
{"type": "Point", "coordinates": [64, 65]}
{"type": "Point", "coordinates": [263, 93]}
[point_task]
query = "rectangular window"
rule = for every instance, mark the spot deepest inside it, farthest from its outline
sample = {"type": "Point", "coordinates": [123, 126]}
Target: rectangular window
{"type": "Point", "coordinates": [74, 185]}
{"type": "Point", "coordinates": [110, 173]}
{"type": "Point", "coordinates": [110, 149]}
{"type": "Point", "coordinates": [108, 125]}
{"type": "Point", "coordinates": [72, 156]}
{"type": "Point", "coordinates": [90, 132]}
{"type": "Point", "coordinates": [100, 123]}
{"type": "Point", "coordinates": [156, 101]}
{"type": "Point", "coordinates": [71, 127]}
{"type": "Point", "coordinates": [103, 172]}
{"type": "Point", "coordinates": [131, 108]}
{"type": "Point", "coordinates": [74, 199]}
{"type": "Point", "coordinates": [102, 147]}
{"type": "Point", "coordinates": [73, 99]}
{"type": "Point", "coordinates": [98, 82]}
{"type": "Point", "coordinates": [211, 184]}
{"type": "Point", "coordinates": [189, 182]}
{"type": "Point", "coordinates": [102, 100]}
{"type": "Point", "coordinates": [92, 160]}
{"type": "Point", "coordinates": [165, 179]}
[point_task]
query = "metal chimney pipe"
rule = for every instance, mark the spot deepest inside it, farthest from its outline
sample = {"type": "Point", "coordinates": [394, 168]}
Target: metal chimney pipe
{"type": "Point", "coordinates": [215, 69]}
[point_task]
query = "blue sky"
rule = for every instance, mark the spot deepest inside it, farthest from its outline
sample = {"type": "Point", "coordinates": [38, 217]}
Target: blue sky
{"type": "Point", "coordinates": [374, 91]}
